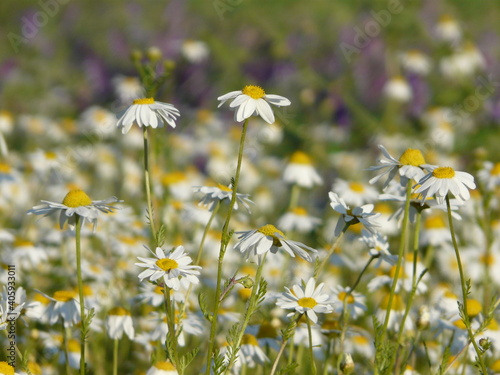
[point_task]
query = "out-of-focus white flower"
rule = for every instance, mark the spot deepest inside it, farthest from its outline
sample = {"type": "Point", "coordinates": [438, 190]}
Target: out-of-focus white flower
{"type": "Point", "coordinates": [195, 51]}
{"type": "Point", "coordinates": [253, 100]}
{"type": "Point", "coordinates": [300, 171]}
{"type": "Point", "coordinates": [354, 193]}
{"type": "Point", "coordinates": [415, 61]}
{"type": "Point", "coordinates": [448, 30]}
{"type": "Point", "coordinates": [398, 89]}
{"type": "Point", "coordinates": [214, 194]}
{"type": "Point", "coordinates": [489, 175]}
{"type": "Point", "coordinates": [63, 307]}
{"type": "Point", "coordinates": [162, 368]}
{"type": "Point", "coordinates": [119, 321]}
{"type": "Point", "coordinates": [298, 220]}
{"type": "Point", "coordinates": [127, 89]}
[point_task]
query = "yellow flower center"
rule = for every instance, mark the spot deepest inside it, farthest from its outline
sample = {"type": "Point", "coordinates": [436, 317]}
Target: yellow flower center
{"type": "Point", "coordinates": [76, 198]}
{"type": "Point", "coordinates": [173, 178]}
{"type": "Point", "coordinates": [397, 303]}
{"type": "Point", "coordinates": [473, 307]}
{"type": "Point", "coordinates": [402, 273]}
{"type": "Point", "coordinates": [307, 302]}
{"type": "Point", "coordinates": [493, 325]}
{"type": "Point", "coordinates": [64, 295]}
{"type": "Point", "coordinates": [6, 369]}
{"type": "Point", "coordinates": [434, 222]}
{"type": "Point", "coordinates": [34, 368]}
{"type": "Point", "coordinates": [20, 242]}
{"type": "Point", "coordinates": [344, 295]}
{"type": "Point", "coordinates": [360, 340]}
{"type": "Point", "coordinates": [224, 187]}
{"type": "Point", "coordinates": [487, 259]}
{"type": "Point", "coordinates": [51, 155]}
{"type": "Point", "coordinates": [357, 187]}
{"type": "Point", "coordinates": [383, 208]}
{"type": "Point", "coordinates": [167, 264]}
{"type": "Point", "coordinates": [270, 230]}
{"type": "Point", "coordinates": [443, 172]}
{"type": "Point", "coordinates": [412, 157]}
{"type": "Point", "coordinates": [165, 365]}
{"type": "Point", "coordinates": [248, 339]}
{"type": "Point", "coordinates": [4, 168]}
{"type": "Point", "coordinates": [144, 101]}
{"type": "Point", "coordinates": [73, 346]}
{"type": "Point", "coordinates": [299, 211]}
{"type": "Point", "coordinates": [495, 171]}
{"type": "Point", "coordinates": [299, 157]}
{"type": "Point", "coordinates": [255, 92]}
{"type": "Point", "coordinates": [459, 323]}
{"type": "Point", "coordinates": [495, 367]}
{"type": "Point", "coordinates": [119, 311]}
{"type": "Point", "coordinates": [41, 298]}
{"type": "Point", "coordinates": [245, 293]}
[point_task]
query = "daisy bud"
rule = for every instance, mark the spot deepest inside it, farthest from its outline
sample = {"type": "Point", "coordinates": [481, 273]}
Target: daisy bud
{"type": "Point", "coordinates": [347, 364]}
{"type": "Point", "coordinates": [136, 55]}
{"type": "Point", "coordinates": [154, 54]}
{"type": "Point", "coordinates": [484, 343]}
{"type": "Point", "coordinates": [423, 320]}
{"type": "Point", "coordinates": [247, 282]}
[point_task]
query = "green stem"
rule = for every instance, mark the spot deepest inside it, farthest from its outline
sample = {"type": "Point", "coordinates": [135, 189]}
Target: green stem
{"type": "Point", "coordinates": [205, 232]}
{"type": "Point", "coordinates": [65, 346]}
{"type": "Point", "coordinates": [78, 229]}
{"type": "Point", "coordinates": [411, 297]}
{"type": "Point", "coordinates": [171, 335]}
{"type": "Point", "coordinates": [319, 269]}
{"type": "Point", "coordinates": [147, 185]}
{"type": "Point", "coordinates": [361, 274]}
{"type": "Point", "coordinates": [465, 291]}
{"type": "Point", "coordinates": [294, 196]}
{"type": "Point", "coordinates": [311, 354]}
{"type": "Point", "coordinates": [401, 253]}
{"type": "Point", "coordinates": [115, 357]}
{"type": "Point", "coordinates": [252, 305]}
{"type": "Point", "coordinates": [224, 242]}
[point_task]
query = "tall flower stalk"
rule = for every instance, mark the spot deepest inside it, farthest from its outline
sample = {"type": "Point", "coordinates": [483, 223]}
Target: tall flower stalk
{"type": "Point", "coordinates": [465, 285]}
{"type": "Point", "coordinates": [80, 294]}
{"type": "Point", "coordinates": [222, 251]}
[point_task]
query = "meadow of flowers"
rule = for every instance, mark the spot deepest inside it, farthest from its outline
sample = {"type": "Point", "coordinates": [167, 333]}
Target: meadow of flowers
{"type": "Point", "coordinates": [217, 188]}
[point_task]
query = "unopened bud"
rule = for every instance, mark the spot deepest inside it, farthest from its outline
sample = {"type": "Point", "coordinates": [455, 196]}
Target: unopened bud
{"type": "Point", "coordinates": [136, 55]}
{"type": "Point", "coordinates": [484, 343]}
{"type": "Point", "coordinates": [347, 364]}
{"type": "Point", "coordinates": [154, 54]}
{"type": "Point", "coordinates": [247, 282]}
{"type": "Point", "coordinates": [169, 65]}
{"type": "Point", "coordinates": [424, 318]}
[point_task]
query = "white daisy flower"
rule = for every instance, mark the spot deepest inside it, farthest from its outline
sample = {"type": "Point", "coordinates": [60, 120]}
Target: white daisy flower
{"type": "Point", "coordinates": [308, 300]}
{"type": "Point", "coordinates": [297, 219]}
{"type": "Point", "coordinates": [148, 112]}
{"type": "Point", "coordinates": [443, 180]}
{"type": "Point", "coordinates": [489, 175]}
{"type": "Point", "coordinates": [119, 321]}
{"type": "Point", "coordinates": [214, 194]}
{"type": "Point", "coordinates": [127, 88]}
{"type": "Point", "coordinates": [162, 368]}
{"type": "Point", "coordinates": [170, 266]}
{"type": "Point", "coordinates": [250, 352]}
{"type": "Point", "coordinates": [415, 61]}
{"type": "Point", "coordinates": [398, 89]}
{"type": "Point", "coordinates": [354, 193]}
{"type": "Point", "coordinates": [253, 100]}
{"type": "Point", "coordinates": [75, 204]}
{"type": "Point", "coordinates": [378, 247]}
{"type": "Point", "coordinates": [448, 29]}
{"type": "Point", "coordinates": [409, 166]}
{"type": "Point", "coordinates": [355, 302]}
{"type": "Point", "coordinates": [63, 307]}
{"type": "Point", "coordinates": [363, 214]}
{"type": "Point", "coordinates": [300, 170]}
{"type": "Point", "coordinates": [269, 238]}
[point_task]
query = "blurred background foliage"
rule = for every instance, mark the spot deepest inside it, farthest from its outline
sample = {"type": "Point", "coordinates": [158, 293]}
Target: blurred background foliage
{"type": "Point", "coordinates": [290, 47]}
